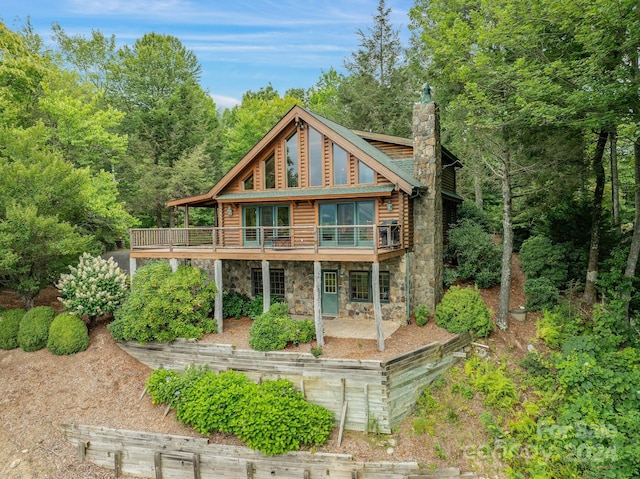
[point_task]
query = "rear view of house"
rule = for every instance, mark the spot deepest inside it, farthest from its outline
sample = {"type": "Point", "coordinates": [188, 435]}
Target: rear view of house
{"type": "Point", "coordinates": [334, 222]}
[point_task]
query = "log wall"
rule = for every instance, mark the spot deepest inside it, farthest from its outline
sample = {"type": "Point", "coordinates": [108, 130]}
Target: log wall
{"type": "Point", "coordinates": [378, 394]}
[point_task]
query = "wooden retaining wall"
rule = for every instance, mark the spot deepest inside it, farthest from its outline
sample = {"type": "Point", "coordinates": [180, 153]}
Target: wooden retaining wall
{"type": "Point", "coordinates": [161, 456]}
{"type": "Point", "coordinates": [377, 395]}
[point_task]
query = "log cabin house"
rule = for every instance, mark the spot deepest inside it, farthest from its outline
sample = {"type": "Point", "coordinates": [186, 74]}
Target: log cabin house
{"type": "Point", "coordinates": [334, 222]}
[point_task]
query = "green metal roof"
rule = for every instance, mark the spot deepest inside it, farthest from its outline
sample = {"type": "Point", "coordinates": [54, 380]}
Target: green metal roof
{"type": "Point", "coordinates": [306, 193]}
{"type": "Point", "coordinates": [369, 149]}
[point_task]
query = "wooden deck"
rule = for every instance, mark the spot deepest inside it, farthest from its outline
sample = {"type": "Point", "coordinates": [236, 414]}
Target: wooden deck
{"type": "Point", "coordinates": [301, 243]}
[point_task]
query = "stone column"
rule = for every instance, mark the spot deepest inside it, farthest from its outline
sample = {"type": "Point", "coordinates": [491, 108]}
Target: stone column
{"type": "Point", "coordinates": [133, 265]}
{"type": "Point", "coordinates": [427, 256]}
{"type": "Point", "coordinates": [174, 264]}
{"type": "Point", "coordinates": [217, 305]}
{"type": "Point", "coordinates": [317, 302]}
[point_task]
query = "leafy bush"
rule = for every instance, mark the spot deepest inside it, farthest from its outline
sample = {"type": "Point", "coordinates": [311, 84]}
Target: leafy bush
{"type": "Point", "coordinates": [34, 328]}
{"type": "Point", "coordinates": [271, 417]}
{"type": "Point", "coordinates": [462, 310]}
{"type": "Point", "coordinates": [235, 305]}
{"type": "Point", "coordinates": [164, 305]}
{"type": "Point", "coordinates": [277, 419]}
{"type": "Point", "coordinates": [94, 287]}
{"type": "Point", "coordinates": [475, 256]}
{"type": "Point", "coordinates": [422, 314]}
{"type": "Point", "coordinates": [540, 258]}
{"type": "Point", "coordinates": [275, 329]}
{"type": "Point", "coordinates": [540, 293]}
{"type": "Point", "coordinates": [9, 327]}
{"type": "Point", "coordinates": [68, 334]}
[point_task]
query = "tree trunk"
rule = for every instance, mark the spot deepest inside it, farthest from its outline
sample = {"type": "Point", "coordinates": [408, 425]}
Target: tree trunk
{"type": "Point", "coordinates": [615, 190]}
{"type": "Point", "coordinates": [634, 250]}
{"type": "Point", "coordinates": [589, 295]}
{"type": "Point", "coordinates": [477, 184]}
{"type": "Point", "coordinates": [502, 320]}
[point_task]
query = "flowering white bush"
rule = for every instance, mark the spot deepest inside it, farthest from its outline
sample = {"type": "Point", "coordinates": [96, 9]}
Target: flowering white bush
{"type": "Point", "coordinates": [94, 287]}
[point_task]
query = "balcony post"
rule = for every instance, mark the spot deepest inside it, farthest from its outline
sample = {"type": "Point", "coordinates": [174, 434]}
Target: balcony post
{"type": "Point", "coordinates": [214, 239]}
{"type": "Point", "coordinates": [317, 301]}
{"type": "Point", "coordinates": [171, 239]}
{"type": "Point", "coordinates": [377, 309]}
{"type": "Point", "coordinates": [217, 305]}
{"type": "Point", "coordinates": [266, 286]}
{"type": "Point", "coordinates": [316, 238]}
{"type": "Point", "coordinates": [375, 238]}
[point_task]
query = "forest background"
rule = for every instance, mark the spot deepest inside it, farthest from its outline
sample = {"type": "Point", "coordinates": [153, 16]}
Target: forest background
{"type": "Point", "coordinates": [540, 100]}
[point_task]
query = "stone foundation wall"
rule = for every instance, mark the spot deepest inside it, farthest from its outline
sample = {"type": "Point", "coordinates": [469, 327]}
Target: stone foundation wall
{"type": "Point", "coordinates": [236, 276]}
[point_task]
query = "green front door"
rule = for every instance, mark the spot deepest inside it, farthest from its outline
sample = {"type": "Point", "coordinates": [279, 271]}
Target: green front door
{"type": "Point", "coordinates": [330, 292]}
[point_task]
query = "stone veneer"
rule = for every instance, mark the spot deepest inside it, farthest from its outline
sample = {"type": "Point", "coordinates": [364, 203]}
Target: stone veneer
{"type": "Point", "coordinates": [299, 285]}
{"type": "Point", "coordinates": [427, 256]}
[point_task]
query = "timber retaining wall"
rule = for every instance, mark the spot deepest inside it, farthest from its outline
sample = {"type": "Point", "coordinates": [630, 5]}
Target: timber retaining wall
{"type": "Point", "coordinates": [376, 395]}
{"type": "Point", "coordinates": [162, 456]}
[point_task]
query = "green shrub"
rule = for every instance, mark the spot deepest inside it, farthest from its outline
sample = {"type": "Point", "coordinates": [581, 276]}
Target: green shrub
{"type": "Point", "coordinates": [271, 417]}
{"type": "Point", "coordinates": [235, 305]}
{"type": "Point", "coordinates": [275, 329]}
{"type": "Point", "coordinates": [540, 258]}
{"type": "Point", "coordinates": [165, 305]}
{"type": "Point", "coordinates": [540, 293]}
{"type": "Point", "coordinates": [475, 256]}
{"type": "Point", "coordinates": [68, 334]}
{"type": "Point", "coordinates": [94, 287]}
{"type": "Point", "coordinates": [277, 419]}
{"type": "Point", "coordinates": [212, 401]}
{"type": "Point", "coordinates": [34, 328]}
{"type": "Point", "coordinates": [422, 314]}
{"type": "Point", "coordinates": [255, 307]}
{"type": "Point", "coordinates": [462, 310]}
{"type": "Point", "coordinates": [9, 327]}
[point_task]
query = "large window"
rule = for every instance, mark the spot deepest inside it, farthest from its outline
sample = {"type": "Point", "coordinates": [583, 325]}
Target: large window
{"type": "Point", "coordinates": [292, 161]}
{"type": "Point", "coordinates": [270, 172]}
{"type": "Point", "coordinates": [277, 282]}
{"type": "Point", "coordinates": [315, 157]}
{"type": "Point", "coordinates": [365, 174]}
{"type": "Point", "coordinates": [346, 223]}
{"type": "Point", "coordinates": [340, 166]}
{"type": "Point", "coordinates": [273, 218]}
{"type": "Point", "coordinates": [360, 286]}
{"type": "Point", "coordinates": [248, 182]}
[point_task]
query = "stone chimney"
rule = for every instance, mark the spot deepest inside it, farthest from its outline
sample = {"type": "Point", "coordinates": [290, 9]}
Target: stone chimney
{"type": "Point", "coordinates": [426, 259]}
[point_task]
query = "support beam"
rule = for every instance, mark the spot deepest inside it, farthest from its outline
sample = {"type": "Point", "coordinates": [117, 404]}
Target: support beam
{"type": "Point", "coordinates": [217, 305]}
{"type": "Point", "coordinates": [377, 309]}
{"type": "Point", "coordinates": [266, 287]}
{"type": "Point", "coordinates": [174, 264]}
{"type": "Point", "coordinates": [317, 302]}
{"type": "Point", "coordinates": [133, 265]}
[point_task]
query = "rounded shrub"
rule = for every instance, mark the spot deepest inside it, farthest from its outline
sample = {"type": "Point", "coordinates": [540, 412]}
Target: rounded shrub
{"type": "Point", "coordinates": [275, 329]}
{"type": "Point", "coordinates": [9, 327]}
{"type": "Point", "coordinates": [34, 328]}
{"type": "Point", "coordinates": [540, 293]}
{"type": "Point", "coordinates": [422, 314]}
{"type": "Point", "coordinates": [541, 258]}
{"type": "Point", "coordinates": [462, 310]}
{"type": "Point", "coordinates": [68, 334]}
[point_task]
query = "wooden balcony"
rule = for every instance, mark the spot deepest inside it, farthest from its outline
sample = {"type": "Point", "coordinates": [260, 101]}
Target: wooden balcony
{"type": "Point", "coordinates": [291, 243]}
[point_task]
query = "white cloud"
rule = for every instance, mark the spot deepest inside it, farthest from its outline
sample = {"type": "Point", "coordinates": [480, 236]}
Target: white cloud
{"type": "Point", "coordinates": [224, 102]}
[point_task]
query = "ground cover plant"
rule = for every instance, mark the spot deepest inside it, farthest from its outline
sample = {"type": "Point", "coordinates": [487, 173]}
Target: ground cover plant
{"type": "Point", "coordinates": [164, 305]}
{"type": "Point", "coordinates": [272, 417]}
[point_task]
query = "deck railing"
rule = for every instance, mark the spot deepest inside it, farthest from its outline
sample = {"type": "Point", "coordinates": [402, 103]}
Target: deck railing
{"type": "Point", "coordinates": [369, 237]}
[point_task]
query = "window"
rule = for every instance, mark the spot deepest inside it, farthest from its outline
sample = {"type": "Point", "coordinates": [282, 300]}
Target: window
{"type": "Point", "coordinates": [247, 184]}
{"type": "Point", "coordinates": [273, 218]}
{"type": "Point", "coordinates": [343, 215]}
{"type": "Point", "coordinates": [270, 172]}
{"type": "Point", "coordinates": [360, 286]}
{"type": "Point", "coordinates": [340, 166]}
{"type": "Point", "coordinates": [277, 282]}
{"type": "Point", "coordinates": [315, 157]}
{"type": "Point", "coordinates": [365, 174]}
{"type": "Point", "coordinates": [292, 161]}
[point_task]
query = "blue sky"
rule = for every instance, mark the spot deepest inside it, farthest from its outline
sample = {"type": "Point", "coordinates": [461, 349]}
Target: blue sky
{"type": "Point", "coordinates": [241, 45]}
